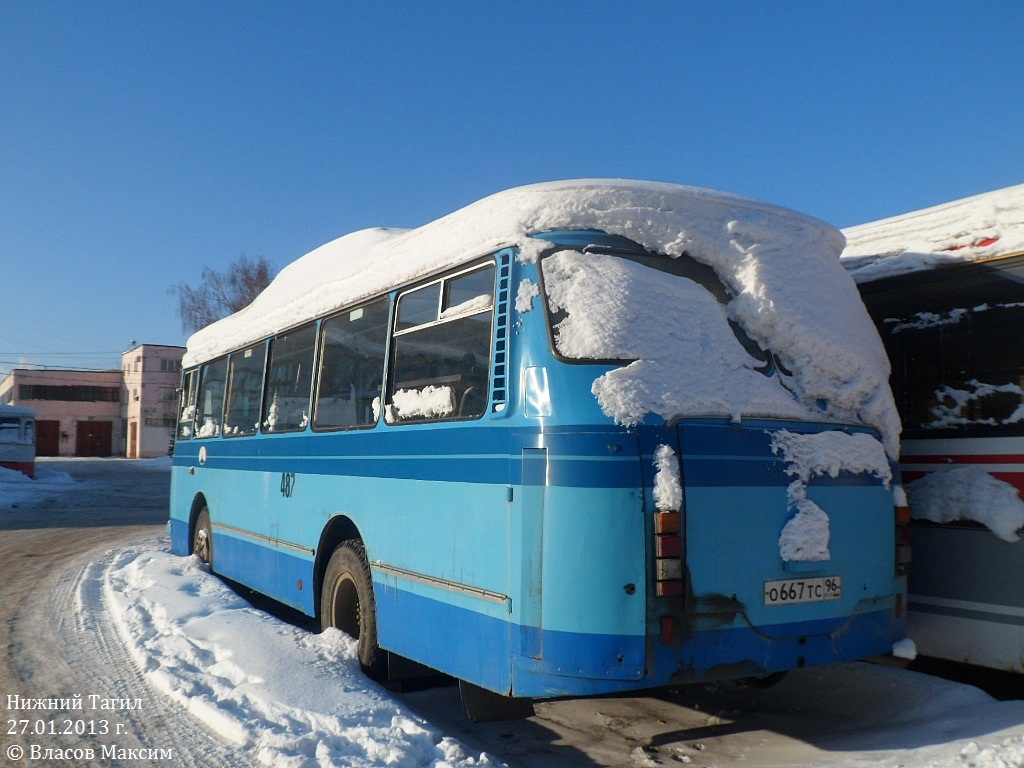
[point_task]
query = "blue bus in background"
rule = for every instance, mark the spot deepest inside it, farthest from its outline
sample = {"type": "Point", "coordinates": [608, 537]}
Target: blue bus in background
{"type": "Point", "coordinates": [428, 470]}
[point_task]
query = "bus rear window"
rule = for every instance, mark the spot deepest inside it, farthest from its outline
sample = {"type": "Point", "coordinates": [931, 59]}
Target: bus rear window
{"type": "Point", "coordinates": [602, 305]}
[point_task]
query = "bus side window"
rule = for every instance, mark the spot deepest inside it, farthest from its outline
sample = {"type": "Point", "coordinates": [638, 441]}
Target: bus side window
{"type": "Point", "coordinates": [352, 367]}
{"type": "Point", "coordinates": [286, 403]}
{"type": "Point", "coordinates": [442, 349]}
{"type": "Point", "coordinates": [966, 376]}
{"type": "Point", "coordinates": [211, 398]}
{"type": "Point", "coordinates": [245, 389]}
{"type": "Point", "coordinates": [10, 430]}
{"type": "Point", "coordinates": [187, 404]}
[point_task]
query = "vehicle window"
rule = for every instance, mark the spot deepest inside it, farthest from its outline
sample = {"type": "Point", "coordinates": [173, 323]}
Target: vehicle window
{"type": "Point", "coordinates": [441, 359]}
{"type": "Point", "coordinates": [352, 367]}
{"type": "Point", "coordinates": [245, 388]}
{"type": "Point", "coordinates": [419, 307]}
{"type": "Point", "coordinates": [964, 375]}
{"type": "Point", "coordinates": [290, 379]}
{"type": "Point", "coordinates": [10, 430]}
{"type": "Point", "coordinates": [684, 268]}
{"type": "Point", "coordinates": [187, 404]}
{"type": "Point", "coordinates": [210, 408]}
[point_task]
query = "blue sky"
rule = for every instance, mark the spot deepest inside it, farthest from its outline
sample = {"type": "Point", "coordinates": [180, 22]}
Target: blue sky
{"type": "Point", "coordinates": [141, 141]}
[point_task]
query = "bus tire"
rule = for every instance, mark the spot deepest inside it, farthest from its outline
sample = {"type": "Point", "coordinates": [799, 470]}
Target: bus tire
{"type": "Point", "coordinates": [202, 538]}
{"type": "Point", "coordinates": [347, 603]}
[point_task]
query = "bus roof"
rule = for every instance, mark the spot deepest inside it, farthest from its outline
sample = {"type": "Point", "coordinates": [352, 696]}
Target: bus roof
{"type": "Point", "coordinates": [16, 410]}
{"type": "Point", "coordinates": [986, 226]}
{"type": "Point", "coordinates": [663, 217]}
{"type": "Point", "coordinates": [767, 255]}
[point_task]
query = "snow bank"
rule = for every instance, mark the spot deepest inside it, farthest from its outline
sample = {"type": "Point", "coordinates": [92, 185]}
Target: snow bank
{"type": "Point", "coordinates": [289, 698]}
{"type": "Point", "coordinates": [805, 536]}
{"type": "Point", "coordinates": [968, 493]}
{"type": "Point", "coordinates": [981, 227]}
{"type": "Point", "coordinates": [17, 488]}
{"type": "Point", "coordinates": [767, 256]}
{"type": "Point", "coordinates": [281, 694]}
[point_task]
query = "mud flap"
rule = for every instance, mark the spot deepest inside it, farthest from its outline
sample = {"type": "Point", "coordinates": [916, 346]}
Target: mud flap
{"type": "Point", "coordinates": [483, 706]}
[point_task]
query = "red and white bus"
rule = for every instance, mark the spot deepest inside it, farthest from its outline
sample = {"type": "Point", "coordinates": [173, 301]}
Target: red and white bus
{"type": "Point", "coordinates": [945, 287]}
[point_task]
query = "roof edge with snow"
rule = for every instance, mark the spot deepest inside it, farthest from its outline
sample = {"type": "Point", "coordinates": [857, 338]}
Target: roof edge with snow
{"type": "Point", "coordinates": [978, 228]}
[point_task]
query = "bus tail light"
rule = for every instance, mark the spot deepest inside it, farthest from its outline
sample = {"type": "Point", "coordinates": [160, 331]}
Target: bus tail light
{"type": "Point", "coordinates": [902, 540]}
{"type": "Point", "coordinates": [668, 553]}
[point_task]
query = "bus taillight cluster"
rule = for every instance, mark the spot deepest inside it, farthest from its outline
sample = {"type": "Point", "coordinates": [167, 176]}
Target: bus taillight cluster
{"type": "Point", "coordinates": [668, 552]}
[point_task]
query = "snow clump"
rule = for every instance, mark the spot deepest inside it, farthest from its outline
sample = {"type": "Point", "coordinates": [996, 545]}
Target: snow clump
{"type": "Point", "coordinates": [968, 493]}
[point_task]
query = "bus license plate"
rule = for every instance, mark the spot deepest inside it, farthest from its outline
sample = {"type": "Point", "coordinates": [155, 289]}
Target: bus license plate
{"type": "Point", "coordinates": [790, 591]}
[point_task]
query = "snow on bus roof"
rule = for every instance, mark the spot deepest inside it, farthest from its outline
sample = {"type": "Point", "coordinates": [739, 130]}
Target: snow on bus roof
{"type": "Point", "coordinates": [371, 261]}
{"type": "Point", "coordinates": [767, 255]}
{"type": "Point", "coordinates": [975, 228]}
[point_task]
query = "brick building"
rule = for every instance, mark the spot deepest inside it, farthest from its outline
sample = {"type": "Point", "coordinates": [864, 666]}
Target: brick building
{"type": "Point", "coordinates": [129, 412]}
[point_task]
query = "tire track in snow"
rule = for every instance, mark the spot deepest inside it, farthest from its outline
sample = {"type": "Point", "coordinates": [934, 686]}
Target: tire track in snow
{"type": "Point", "coordinates": [65, 643]}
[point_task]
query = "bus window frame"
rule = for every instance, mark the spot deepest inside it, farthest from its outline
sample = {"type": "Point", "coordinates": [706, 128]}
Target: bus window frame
{"type": "Point", "coordinates": [994, 283]}
{"type": "Point", "coordinates": [223, 401]}
{"type": "Point", "coordinates": [488, 262]}
{"type": "Point", "coordinates": [229, 387]}
{"type": "Point", "coordinates": [188, 375]}
{"type": "Point", "coordinates": [322, 339]}
{"type": "Point", "coordinates": [315, 324]}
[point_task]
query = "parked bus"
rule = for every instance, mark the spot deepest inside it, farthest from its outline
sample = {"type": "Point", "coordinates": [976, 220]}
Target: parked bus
{"type": "Point", "coordinates": [18, 439]}
{"type": "Point", "coordinates": [945, 287]}
{"type": "Point", "coordinates": [576, 438]}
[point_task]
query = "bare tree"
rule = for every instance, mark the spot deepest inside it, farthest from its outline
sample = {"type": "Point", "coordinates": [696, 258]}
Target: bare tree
{"type": "Point", "coordinates": [221, 293]}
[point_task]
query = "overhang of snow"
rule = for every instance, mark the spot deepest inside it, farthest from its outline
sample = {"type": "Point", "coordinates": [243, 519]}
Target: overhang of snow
{"type": "Point", "coordinates": [790, 292]}
{"type": "Point", "coordinates": [976, 228]}
{"type": "Point", "coordinates": [968, 493]}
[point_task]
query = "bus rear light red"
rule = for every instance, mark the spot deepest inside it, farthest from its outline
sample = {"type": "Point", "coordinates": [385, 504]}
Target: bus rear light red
{"type": "Point", "coordinates": [666, 522]}
{"type": "Point", "coordinates": [668, 545]}
{"type": "Point", "coordinates": [668, 588]}
{"type": "Point", "coordinates": [668, 552]}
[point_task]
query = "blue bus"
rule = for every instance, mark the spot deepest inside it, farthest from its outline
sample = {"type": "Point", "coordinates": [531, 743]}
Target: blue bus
{"type": "Point", "coordinates": [538, 446]}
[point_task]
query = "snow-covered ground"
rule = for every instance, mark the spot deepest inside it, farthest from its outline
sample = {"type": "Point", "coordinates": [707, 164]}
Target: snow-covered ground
{"type": "Point", "coordinates": [294, 698]}
{"type": "Point", "coordinates": [283, 696]}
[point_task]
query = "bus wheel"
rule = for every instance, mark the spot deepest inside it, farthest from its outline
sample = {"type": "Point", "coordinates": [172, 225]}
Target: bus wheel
{"type": "Point", "coordinates": [202, 540]}
{"type": "Point", "coordinates": [347, 603]}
